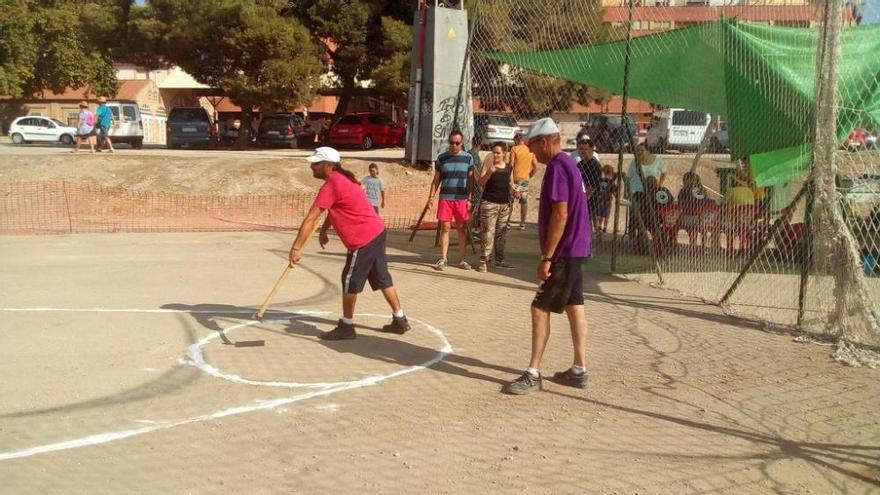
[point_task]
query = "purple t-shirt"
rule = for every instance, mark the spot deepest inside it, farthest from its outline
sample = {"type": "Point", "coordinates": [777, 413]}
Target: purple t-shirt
{"type": "Point", "coordinates": [563, 183]}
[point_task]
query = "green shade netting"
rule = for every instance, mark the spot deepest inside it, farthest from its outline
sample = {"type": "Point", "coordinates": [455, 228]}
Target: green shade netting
{"type": "Point", "coordinates": [760, 78]}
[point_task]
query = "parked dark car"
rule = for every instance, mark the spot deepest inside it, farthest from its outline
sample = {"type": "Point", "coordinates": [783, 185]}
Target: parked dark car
{"type": "Point", "coordinates": [367, 130]}
{"type": "Point", "coordinates": [188, 126]}
{"type": "Point", "coordinates": [605, 130]}
{"type": "Point", "coordinates": [285, 129]}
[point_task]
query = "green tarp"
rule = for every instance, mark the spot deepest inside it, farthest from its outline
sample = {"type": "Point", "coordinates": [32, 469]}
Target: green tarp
{"type": "Point", "coordinates": [759, 78]}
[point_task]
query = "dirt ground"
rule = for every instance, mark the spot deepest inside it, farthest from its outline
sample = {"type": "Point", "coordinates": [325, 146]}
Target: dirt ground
{"type": "Point", "coordinates": [116, 379]}
{"type": "Point", "coordinates": [252, 172]}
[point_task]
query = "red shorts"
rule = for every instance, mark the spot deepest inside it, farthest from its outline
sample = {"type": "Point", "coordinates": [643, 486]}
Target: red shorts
{"type": "Point", "coordinates": [452, 209]}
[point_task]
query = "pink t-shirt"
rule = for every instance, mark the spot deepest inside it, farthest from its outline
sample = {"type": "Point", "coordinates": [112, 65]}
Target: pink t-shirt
{"type": "Point", "coordinates": [351, 214]}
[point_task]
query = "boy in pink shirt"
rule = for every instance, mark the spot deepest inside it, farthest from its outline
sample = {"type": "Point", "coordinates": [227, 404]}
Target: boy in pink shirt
{"type": "Point", "coordinates": [361, 231]}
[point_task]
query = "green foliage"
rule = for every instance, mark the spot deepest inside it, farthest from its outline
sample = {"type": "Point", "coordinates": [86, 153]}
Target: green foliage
{"type": "Point", "coordinates": [391, 76]}
{"type": "Point", "coordinates": [51, 45]}
{"type": "Point", "coordinates": [364, 40]}
{"type": "Point", "coordinates": [243, 47]}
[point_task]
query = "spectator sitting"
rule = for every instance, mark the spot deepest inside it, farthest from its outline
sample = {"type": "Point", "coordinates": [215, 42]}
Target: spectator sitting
{"type": "Point", "coordinates": [741, 193]}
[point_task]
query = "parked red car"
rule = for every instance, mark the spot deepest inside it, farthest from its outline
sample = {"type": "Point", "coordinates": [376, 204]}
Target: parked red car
{"type": "Point", "coordinates": [367, 130]}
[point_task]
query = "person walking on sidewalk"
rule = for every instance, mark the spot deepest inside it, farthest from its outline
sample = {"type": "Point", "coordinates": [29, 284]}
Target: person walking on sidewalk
{"type": "Point", "coordinates": [104, 117]}
{"type": "Point", "coordinates": [85, 129]}
{"type": "Point", "coordinates": [361, 231]}
{"type": "Point", "coordinates": [564, 236]}
{"type": "Point", "coordinates": [454, 177]}
{"type": "Point", "coordinates": [496, 181]}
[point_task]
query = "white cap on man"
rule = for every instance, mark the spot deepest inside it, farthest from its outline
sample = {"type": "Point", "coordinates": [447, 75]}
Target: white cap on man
{"type": "Point", "coordinates": [324, 154]}
{"type": "Point", "coordinates": [542, 127]}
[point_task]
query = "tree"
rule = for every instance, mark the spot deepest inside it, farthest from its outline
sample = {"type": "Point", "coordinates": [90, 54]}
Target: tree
{"type": "Point", "coordinates": [46, 45]}
{"type": "Point", "coordinates": [242, 47]}
{"type": "Point", "coordinates": [391, 76]}
{"type": "Point", "coordinates": [362, 39]}
{"type": "Point", "coordinates": [502, 25]}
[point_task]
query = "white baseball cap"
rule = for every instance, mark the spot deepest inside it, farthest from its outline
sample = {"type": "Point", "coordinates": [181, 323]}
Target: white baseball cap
{"type": "Point", "coordinates": [324, 154]}
{"type": "Point", "coordinates": [542, 127]}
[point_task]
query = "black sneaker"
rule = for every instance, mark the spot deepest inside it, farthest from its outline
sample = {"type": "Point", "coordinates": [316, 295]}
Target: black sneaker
{"type": "Point", "coordinates": [398, 325]}
{"type": "Point", "coordinates": [503, 264]}
{"type": "Point", "coordinates": [570, 378]}
{"type": "Point", "coordinates": [343, 331]}
{"type": "Point", "coordinates": [523, 385]}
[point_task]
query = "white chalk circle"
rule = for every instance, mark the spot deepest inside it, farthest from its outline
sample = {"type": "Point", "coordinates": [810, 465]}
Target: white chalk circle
{"type": "Point", "coordinates": [195, 355]}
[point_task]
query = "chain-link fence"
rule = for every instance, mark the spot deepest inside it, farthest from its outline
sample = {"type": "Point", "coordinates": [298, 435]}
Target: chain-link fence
{"type": "Point", "coordinates": [755, 181]}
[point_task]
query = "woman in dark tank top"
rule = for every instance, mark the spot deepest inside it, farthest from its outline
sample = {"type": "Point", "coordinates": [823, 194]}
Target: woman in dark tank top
{"type": "Point", "coordinates": [495, 207]}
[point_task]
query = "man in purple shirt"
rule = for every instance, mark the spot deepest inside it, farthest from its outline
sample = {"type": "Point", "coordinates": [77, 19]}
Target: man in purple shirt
{"type": "Point", "coordinates": [564, 235]}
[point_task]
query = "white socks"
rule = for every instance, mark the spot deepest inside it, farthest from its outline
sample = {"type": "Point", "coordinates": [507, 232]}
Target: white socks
{"type": "Point", "coordinates": [578, 370]}
{"type": "Point", "coordinates": [347, 321]}
{"type": "Point", "coordinates": [398, 313]}
{"type": "Point", "coordinates": [534, 372]}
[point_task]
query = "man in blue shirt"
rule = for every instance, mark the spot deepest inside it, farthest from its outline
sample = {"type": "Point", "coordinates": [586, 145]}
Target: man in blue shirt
{"type": "Point", "coordinates": [454, 177]}
{"type": "Point", "coordinates": [104, 117]}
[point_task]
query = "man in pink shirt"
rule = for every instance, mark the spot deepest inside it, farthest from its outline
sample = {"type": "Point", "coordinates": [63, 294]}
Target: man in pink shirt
{"type": "Point", "coordinates": [361, 231]}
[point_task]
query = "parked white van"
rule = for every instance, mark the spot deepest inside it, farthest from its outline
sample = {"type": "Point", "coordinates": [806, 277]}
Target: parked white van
{"type": "Point", "coordinates": [128, 127]}
{"type": "Point", "coordinates": [676, 128]}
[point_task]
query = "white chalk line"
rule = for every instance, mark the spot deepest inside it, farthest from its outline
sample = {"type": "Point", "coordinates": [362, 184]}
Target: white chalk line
{"type": "Point", "coordinates": [261, 405]}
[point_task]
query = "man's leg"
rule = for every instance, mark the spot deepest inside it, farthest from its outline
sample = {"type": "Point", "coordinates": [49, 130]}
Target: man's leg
{"type": "Point", "coordinates": [390, 294]}
{"type": "Point", "coordinates": [530, 381]}
{"type": "Point", "coordinates": [348, 304]}
{"type": "Point", "coordinates": [540, 336]}
{"type": "Point", "coordinates": [523, 210]}
{"type": "Point", "coordinates": [577, 320]}
{"type": "Point", "coordinates": [462, 240]}
{"type": "Point", "coordinates": [444, 239]}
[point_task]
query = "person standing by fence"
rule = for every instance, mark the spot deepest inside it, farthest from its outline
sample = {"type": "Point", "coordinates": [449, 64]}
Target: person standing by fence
{"type": "Point", "coordinates": [454, 177]}
{"type": "Point", "coordinates": [524, 166]}
{"type": "Point", "coordinates": [374, 188]}
{"type": "Point", "coordinates": [495, 208]}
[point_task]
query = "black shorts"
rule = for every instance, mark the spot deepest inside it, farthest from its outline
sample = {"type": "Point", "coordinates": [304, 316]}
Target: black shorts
{"type": "Point", "coordinates": [565, 287]}
{"type": "Point", "coordinates": [366, 263]}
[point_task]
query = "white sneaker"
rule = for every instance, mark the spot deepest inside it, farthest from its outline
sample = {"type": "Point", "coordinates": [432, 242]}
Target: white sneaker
{"type": "Point", "coordinates": [464, 265]}
{"type": "Point", "coordinates": [440, 265]}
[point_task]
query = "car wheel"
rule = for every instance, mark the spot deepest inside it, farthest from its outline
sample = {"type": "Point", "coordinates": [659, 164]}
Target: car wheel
{"type": "Point", "coordinates": [172, 146]}
{"type": "Point", "coordinates": [17, 138]}
{"type": "Point", "coordinates": [367, 143]}
{"type": "Point", "coordinates": [66, 139]}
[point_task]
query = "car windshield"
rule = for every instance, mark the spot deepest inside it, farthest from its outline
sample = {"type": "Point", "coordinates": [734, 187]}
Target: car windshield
{"type": "Point", "coordinates": [275, 123]}
{"type": "Point", "coordinates": [614, 121]}
{"type": "Point", "coordinates": [350, 119]}
{"type": "Point", "coordinates": [188, 114]}
{"type": "Point", "coordinates": [58, 122]}
{"type": "Point", "coordinates": [688, 117]}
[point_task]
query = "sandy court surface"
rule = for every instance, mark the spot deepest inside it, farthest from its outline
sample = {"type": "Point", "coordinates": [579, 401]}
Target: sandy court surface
{"type": "Point", "coordinates": [115, 379]}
